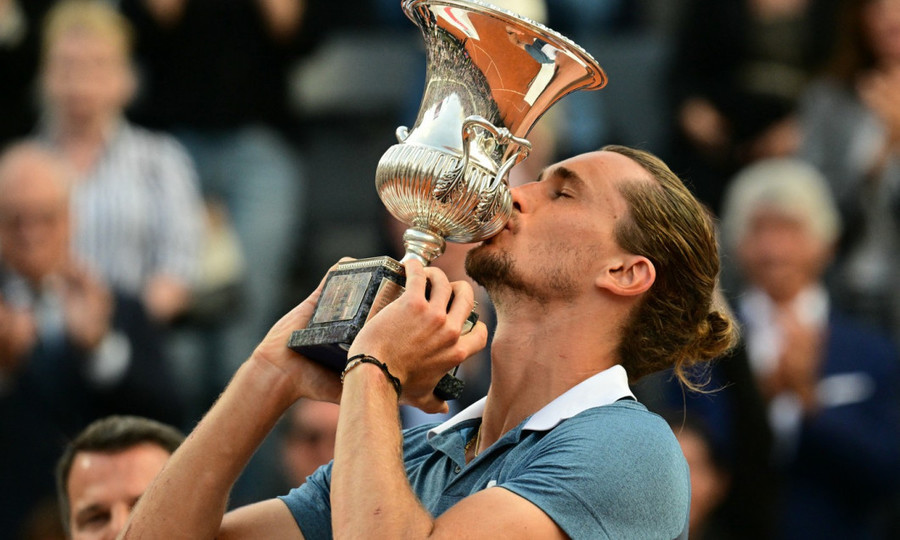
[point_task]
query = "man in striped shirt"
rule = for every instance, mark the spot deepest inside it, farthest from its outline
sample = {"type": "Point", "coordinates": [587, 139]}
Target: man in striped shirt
{"type": "Point", "coordinates": [136, 193]}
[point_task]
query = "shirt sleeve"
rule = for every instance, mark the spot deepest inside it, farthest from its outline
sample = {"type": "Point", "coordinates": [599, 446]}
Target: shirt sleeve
{"type": "Point", "coordinates": [310, 504]}
{"type": "Point", "coordinates": [619, 472]}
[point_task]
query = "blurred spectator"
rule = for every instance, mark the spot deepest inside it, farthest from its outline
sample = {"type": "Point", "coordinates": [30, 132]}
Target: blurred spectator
{"type": "Point", "coordinates": [307, 440]}
{"type": "Point", "coordinates": [106, 469]}
{"type": "Point", "coordinates": [851, 132]}
{"type": "Point", "coordinates": [215, 75]}
{"type": "Point", "coordinates": [738, 70]}
{"type": "Point", "coordinates": [139, 210]}
{"type": "Point", "coordinates": [43, 522]}
{"type": "Point", "coordinates": [831, 385]}
{"type": "Point", "coordinates": [20, 30]}
{"type": "Point", "coordinates": [70, 348]}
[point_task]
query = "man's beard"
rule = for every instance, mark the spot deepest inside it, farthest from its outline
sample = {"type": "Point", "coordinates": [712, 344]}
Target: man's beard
{"type": "Point", "coordinates": [496, 272]}
{"type": "Point", "coordinates": [493, 271]}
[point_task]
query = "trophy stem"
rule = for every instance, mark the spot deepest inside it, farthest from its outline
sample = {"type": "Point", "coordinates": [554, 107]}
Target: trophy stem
{"type": "Point", "coordinates": [422, 245]}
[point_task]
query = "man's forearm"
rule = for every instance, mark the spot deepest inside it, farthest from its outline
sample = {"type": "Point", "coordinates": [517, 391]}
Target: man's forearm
{"type": "Point", "coordinates": [189, 497]}
{"type": "Point", "coordinates": [370, 494]}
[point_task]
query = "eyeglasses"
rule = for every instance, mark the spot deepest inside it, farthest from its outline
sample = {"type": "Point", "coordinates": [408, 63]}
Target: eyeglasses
{"type": "Point", "coordinates": [31, 218]}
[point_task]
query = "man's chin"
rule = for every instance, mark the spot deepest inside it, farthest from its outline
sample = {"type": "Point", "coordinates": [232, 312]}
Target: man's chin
{"type": "Point", "coordinates": [488, 267]}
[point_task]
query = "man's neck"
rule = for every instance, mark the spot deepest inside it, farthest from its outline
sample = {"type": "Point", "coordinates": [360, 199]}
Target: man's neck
{"type": "Point", "coordinates": [538, 352]}
{"type": "Point", "coordinates": [82, 143]}
{"type": "Point", "coordinates": [95, 129]}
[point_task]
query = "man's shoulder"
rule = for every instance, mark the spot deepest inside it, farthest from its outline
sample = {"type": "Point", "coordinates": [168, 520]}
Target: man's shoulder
{"type": "Point", "coordinates": [618, 464]}
{"type": "Point", "coordinates": [626, 433]}
{"type": "Point", "coordinates": [627, 417]}
{"type": "Point", "coordinates": [624, 428]}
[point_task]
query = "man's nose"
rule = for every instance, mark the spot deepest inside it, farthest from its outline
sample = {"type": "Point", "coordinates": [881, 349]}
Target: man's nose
{"type": "Point", "coordinates": [520, 199]}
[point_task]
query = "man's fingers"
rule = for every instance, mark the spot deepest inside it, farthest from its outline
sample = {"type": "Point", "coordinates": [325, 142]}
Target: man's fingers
{"type": "Point", "coordinates": [475, 340]}
{"type": "Point", "coordinates": [415, 277]}
{"type": "Point", "coordinates": [463, 303]}
{"type": "Point", "coordinates": [429, 404]}
{"type": "Point", "coordinates": [441, 289]}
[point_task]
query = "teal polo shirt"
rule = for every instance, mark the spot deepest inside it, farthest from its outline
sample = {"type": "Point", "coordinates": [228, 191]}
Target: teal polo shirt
{"type": "Point", "coordinates": [595, 460]}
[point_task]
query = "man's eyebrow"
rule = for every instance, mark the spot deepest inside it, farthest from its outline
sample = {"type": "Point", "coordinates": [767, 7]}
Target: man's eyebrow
{"type": "Point", "coordinates": [563, 173]}
{"type": "Point", "coordinates": [568, 175]}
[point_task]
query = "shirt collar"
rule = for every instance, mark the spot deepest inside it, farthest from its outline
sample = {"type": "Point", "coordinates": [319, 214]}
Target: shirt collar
{"type": "Point", "coordinates": [606, 387]}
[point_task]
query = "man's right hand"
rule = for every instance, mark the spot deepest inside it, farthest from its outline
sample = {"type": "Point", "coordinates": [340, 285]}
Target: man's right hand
{"type": "Point", "coordinates": [310, 379]}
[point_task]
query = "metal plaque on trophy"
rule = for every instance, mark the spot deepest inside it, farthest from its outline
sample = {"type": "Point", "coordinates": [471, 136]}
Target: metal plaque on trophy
{"type": "Point", "coordinates": [491, 74]}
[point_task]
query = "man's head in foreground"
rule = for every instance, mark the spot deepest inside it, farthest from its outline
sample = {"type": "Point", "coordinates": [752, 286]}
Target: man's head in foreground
{"type": "Point", "coordinates": [105, 470]}
{"type": "Point", "coordinates": [617, 226]}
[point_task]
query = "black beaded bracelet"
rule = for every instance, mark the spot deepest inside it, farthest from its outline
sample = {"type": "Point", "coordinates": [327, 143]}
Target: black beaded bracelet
{"type": "Point", "coordinates": [358, 359]}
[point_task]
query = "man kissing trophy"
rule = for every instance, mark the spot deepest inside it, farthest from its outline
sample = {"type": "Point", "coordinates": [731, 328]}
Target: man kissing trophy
{"type": "Point", "coordinates": [491, 74]}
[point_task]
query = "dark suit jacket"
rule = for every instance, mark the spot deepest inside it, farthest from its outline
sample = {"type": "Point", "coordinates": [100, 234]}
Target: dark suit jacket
{"type": "Point", "coordinates": [845, 466]}
{"type": "Point", "coordinates": [50, 400]}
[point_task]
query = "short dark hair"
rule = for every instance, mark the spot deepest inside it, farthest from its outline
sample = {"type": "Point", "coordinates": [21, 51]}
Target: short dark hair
{"type": "Point", "coordinates": [111, 435]}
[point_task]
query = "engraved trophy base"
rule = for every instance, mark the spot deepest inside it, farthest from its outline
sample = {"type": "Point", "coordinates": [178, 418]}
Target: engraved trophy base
{"type": "Point", "coordinates": [354, 292]}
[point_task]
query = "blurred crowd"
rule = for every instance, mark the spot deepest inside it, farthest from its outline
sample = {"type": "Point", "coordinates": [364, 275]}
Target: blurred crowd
{"type": "Point", "coordinates": [175, 174]}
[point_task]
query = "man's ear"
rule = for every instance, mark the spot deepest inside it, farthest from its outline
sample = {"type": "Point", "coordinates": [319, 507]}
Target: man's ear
{"type": "Point", "coordinates": [629, 275]}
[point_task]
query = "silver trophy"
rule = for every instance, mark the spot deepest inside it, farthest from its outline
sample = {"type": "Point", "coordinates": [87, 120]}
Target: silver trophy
{"type": "Point", "coordinates": [491, 74]}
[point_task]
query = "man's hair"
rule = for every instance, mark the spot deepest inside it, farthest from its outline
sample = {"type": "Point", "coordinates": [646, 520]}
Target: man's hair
{"type": "Point", "coordinates": [111, 435]}
{"type": "Point", "coordinates": [789, 186]}
{"type": "Point", "coordinates": [676, 324]}
{"type": "Point", "coordinates": [96, 17]}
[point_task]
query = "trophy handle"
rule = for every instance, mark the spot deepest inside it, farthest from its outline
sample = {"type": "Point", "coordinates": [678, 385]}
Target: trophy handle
{"type": "Point", "coordinates": [502, 136]}
{"type": "Point", "coordinates": [492, 196]}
